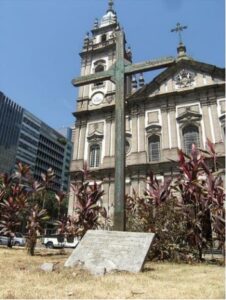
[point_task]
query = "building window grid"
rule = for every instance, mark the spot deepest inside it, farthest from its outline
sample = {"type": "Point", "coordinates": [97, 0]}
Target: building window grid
{"type": "Point", "coordinates": [31, 124]}
{"type": "Point", "coordinates": [94, 156]}
{"type": "Point", "coordinates": [154, 148]}
{"type": "Point", "coordinates": [30, 132]}
{"type": "Point", "coordinates": [190, 137]}
{"type": "Point", "coordinates": [51, 145]}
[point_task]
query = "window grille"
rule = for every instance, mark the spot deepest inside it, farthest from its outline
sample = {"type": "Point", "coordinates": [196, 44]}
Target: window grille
{"type": "Point", "coordinates": [154, 148]}
{"type": "Point", "coordinates": [94, 156]}
{"type": "Point", "coordinates": [190, 136]}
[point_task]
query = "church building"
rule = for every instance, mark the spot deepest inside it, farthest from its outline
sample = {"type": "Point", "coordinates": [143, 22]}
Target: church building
{"type": "Point", "coordinates": [183, 105]}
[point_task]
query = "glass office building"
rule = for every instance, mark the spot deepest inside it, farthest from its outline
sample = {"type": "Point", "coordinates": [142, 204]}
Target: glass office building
{"type": "Point", "coordinates": [11, 116]}
{"type": "Point", "coordinates": [25, 138]}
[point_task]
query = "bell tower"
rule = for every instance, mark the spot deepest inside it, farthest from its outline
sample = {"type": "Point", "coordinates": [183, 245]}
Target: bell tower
{"type": "Point", "coordinates": [94, 132]}
{"type": "Point", "coordinates": [97, 55]}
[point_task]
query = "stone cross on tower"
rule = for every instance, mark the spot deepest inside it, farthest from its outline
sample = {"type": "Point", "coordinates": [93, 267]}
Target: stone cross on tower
{"type": "Point", "coordinates": [179, 28]}
{"type": "Point", "coordinates": [117, 74]}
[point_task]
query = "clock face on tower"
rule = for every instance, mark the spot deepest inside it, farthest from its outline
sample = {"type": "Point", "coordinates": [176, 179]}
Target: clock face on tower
{"type": "Point", "coordinates": [97, 98]}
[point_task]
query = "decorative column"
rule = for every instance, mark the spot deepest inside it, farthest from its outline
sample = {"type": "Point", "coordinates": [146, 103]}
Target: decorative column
{"type": "Point", "coordinates": [165, 134]}
{"type": "Point", "coordinates": [87, 71]}
{"type": "Point", "coordinates": [207, 119]}
{"type": "Point", "coordinates": [71, 203]}
{"type": "Point", "coordinates": [108, 137]}
{"type": "Point", "coordinates": [112, 148]}
{"type": "Point", "coordinates": [141, 129]}
{"type": "Point", "coordinates": [216, 122]}
{"type": "Point", "coordinates": [82, 139]}
{"type": "Point", "coordinates": [134, 114]}
{"type": "Point", "coordinates": [76, 141]}
{"type": "Point", "coordinates": [106, 186]}
{"type": "Point", "coordinates": [173, 123]}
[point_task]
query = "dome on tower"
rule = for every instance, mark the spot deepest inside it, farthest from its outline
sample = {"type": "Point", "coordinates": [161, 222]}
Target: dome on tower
{"type": "Point", "coordinates": [108, 18]}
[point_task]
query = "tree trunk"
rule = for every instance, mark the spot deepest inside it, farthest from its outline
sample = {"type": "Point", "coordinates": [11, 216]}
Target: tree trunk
{"type": "Point", "coordinates": [200, 252]}
{"type": "Point", "coordinates": [9, 244]}
{"type": "Point", "coordinates": [31, 243]}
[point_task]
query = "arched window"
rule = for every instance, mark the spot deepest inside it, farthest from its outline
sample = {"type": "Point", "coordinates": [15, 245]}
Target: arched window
{"type": "Point", "coordinates": [154, 148]}
{"type": "Point", "coordinates": [99, 68]}
{"type": "Point", "coordinates": [190, 136]}
{"type": "Point", "coordinates": [94, 156]}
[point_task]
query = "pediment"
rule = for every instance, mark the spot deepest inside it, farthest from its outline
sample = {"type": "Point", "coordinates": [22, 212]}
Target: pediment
{"type": "Point", "coordinates": [95, 136]}
{"type": "Point", "coordinates": [189, 115]}
{"type": "Point", "coordinates": [184, 74]}
{"type": "Point", "coordinates": [154, 128]}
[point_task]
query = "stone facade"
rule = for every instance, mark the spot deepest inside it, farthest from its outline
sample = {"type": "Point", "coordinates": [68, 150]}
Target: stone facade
{"type": "Point", "coordinates": [189, 95]}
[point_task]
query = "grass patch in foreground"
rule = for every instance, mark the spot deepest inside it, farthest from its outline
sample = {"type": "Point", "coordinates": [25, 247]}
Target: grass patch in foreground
{"type": "Point", "coordinates": [21, 277]}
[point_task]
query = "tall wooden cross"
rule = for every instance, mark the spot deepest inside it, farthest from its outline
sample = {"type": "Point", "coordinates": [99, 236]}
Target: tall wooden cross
{"type": "Point", "coordinates": [117, 74]}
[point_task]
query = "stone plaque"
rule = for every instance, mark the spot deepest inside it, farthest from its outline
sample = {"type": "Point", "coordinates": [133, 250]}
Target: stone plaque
{"type": "Point", "coordinates": [153, 117]}
{"type": "Point", "coordinates": [103, 251]}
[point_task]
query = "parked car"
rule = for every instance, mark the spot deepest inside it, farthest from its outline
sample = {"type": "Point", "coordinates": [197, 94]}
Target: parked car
{"type": "Point", "coordinates": [4, 240]}
{"type": "Point", "coordinates": [17, 240]}
{"type": "Point", "coordinates": [57, 241]}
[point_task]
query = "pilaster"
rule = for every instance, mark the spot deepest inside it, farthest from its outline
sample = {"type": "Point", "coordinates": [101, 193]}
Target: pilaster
{"type": "Point", "coordinates": [108, 137]}
{"type": "Point", "coordinates": [134, 116]}
{"type": "Point", "coordinates": [207, 120]}
{"type": "Point", "coordinates": [141, 129]}
{"type": "Point", "coordinates": [82, 139]}
{"type": "Point", "coordinates": [112, 149]}
{"type": "Point", "coordinates": [165, 134]}
{"type": "Point", "coordinates": [216, 122]}
{"type": "Point", "coordinates": [71, 203]}
{"type": "Point", "coordinates": [76, 142]}
{"type": "Point", "coordinates": [173, 122]}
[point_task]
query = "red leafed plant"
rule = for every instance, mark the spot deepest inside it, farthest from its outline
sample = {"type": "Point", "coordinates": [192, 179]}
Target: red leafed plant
{"type": "Point", "coordinates": [157, 192]}
{"type": "Point", "coordinates": [34, 225]}
{"type": "Point", "coordinates": [202, 199]}
{"type": "Point", "coordinates": [155, 212]}
{"type": "Point", "coordinates": [138, 212]}
{"type": "Point", "coordinates": [13, 203]}
{"type": "Point", "coordinates": [88, 210]}
{"type": "Point", "coordinates": [187, 213]}
{"type": "Point", "coordinates": [17, 194]}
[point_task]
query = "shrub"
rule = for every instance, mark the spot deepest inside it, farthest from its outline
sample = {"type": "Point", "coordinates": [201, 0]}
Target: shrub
{"type": "Point", "coordinates": [34, 225]}
{"type": "Point", "coordinates": [18, 194]}
{"type": "Point", "coordinates": [187, 214]}
{"type": "Point", "coordinates": [155, 212]}
{"type": "Point", "coordinates": [88, 210]}
{"type": "Point", "coordinates": [201, 199]}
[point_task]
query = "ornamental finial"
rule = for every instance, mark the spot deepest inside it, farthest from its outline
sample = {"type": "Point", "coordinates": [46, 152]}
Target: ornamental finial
{"type": "Point", "coordinates": [110, 5]}
{"type": "Point", "coordinates": [179, 28]}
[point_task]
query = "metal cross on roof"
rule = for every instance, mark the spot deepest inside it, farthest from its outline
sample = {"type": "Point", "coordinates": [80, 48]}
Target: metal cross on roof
{"type": "Point", "coordinates": [179, 28]}
{"type": "Point", "coordinates": [117, 74]}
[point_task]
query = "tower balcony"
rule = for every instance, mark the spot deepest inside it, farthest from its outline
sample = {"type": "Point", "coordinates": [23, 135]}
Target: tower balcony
{"type": "Point", "coordinates": [90, 46]}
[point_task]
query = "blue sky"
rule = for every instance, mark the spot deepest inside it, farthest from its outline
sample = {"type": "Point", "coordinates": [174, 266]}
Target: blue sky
{"type": "Point", "coordinates": [40, 41]}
